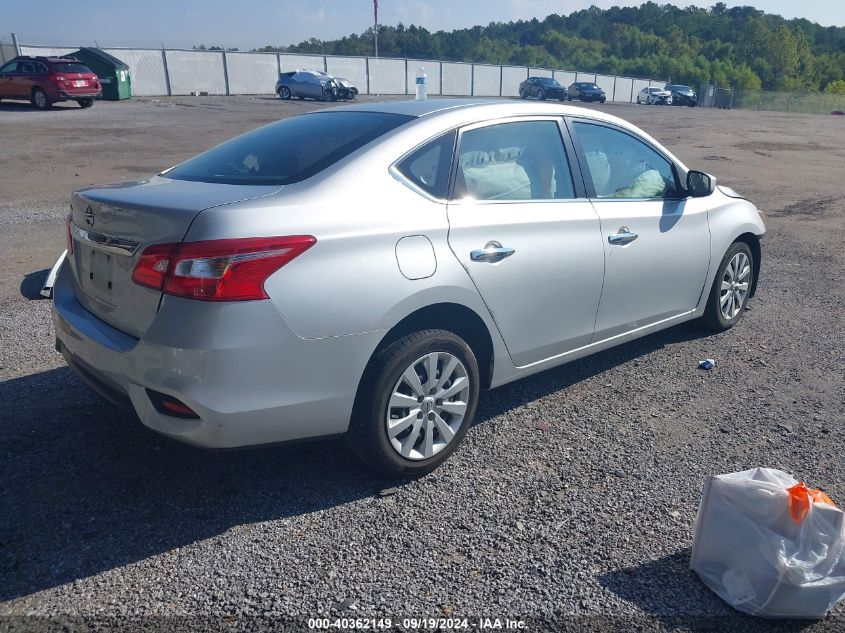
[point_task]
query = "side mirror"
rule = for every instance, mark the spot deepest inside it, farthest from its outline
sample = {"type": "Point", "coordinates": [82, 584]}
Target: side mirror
{"type": "Point", "coordinates": [699, 184]}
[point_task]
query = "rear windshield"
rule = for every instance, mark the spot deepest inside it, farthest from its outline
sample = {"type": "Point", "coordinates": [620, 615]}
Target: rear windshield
{"type": "Point", "coordinates": [63, 67]}
{"type": "Point", "coordinates": [288, 151]}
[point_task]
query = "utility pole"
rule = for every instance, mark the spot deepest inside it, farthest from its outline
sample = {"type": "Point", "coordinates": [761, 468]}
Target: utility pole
{"type": "Point", "coordinates": [375, 31]}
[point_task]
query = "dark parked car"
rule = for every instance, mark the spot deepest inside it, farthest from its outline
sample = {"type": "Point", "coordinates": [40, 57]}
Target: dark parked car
{"type": "Point", "coordinates": [314, 84]}
{"type": "Point", "coordinates": [682, 95]}
{"type": "Point", "coordinates": [542, 88]}
{"type": "Point", "coordinates": [585, 91]}
{"type": "Point", "coordinates": [45, 80]}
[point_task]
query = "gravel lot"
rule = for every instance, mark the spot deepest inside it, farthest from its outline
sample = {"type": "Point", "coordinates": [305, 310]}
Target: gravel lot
{"type": "Point", "coordinates": [572, 498]}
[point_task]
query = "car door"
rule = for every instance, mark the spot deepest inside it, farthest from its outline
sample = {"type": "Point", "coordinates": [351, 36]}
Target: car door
{"type": "Point", "coordinates": [656, 240]}
{"type": "Point", "coordinates": [24, 80]}
{"type": "Point", "coordinates": [520, 225]}
{"type": "Point", "coordinates": [7, 72]}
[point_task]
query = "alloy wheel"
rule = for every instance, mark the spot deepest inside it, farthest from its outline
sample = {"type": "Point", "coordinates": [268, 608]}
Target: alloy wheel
{"type": "Point", "coordinates": [427, 405]}
{"type": "Point", "coordinates": [735, 284]}
{"type": "Point", "coordinates": [40, 99]}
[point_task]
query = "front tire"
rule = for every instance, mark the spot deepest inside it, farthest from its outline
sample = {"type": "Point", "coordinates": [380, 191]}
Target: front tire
{"type": "Point", "coordinates": [284, 93]}
{"type": "Point", "coordinates": [731, 289]}
{"type": "Point", "coordinates": [416, 401]}
{"type": "Point", "coordinates": [541, 95]}
{"type": "Point", "coordinates": [522, 93]}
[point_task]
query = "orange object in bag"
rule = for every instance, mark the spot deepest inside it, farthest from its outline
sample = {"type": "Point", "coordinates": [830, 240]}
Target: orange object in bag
{"type": "Point", "coordinates": [800, 498]}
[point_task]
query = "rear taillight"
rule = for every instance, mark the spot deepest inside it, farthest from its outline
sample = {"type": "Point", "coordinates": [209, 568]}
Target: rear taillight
{"type": "Point", "coordinates": [217, 270]}
{"type": "Point", "coordinates": [69, 233]}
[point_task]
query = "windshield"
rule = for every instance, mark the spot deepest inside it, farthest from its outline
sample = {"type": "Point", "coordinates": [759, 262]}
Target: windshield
{"type": "Point", "coordinates": [70, 68]}
{"type": "Point", "coordinates": [289, 150]}
{"type": "Point", "coordinates": [549, 82]}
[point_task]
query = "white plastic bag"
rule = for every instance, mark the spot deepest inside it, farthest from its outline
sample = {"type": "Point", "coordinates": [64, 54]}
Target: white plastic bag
{"type": "Point", "coordinates": [766, 547]}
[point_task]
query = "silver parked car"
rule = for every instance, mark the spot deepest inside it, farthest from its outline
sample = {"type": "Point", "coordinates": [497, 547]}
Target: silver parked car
{"type": "Point", "coordinates": [654, 96]}
{"type": "Point", "coordinates": [314, 84]}
{"type": "Point", "coordinates": [366, 270]}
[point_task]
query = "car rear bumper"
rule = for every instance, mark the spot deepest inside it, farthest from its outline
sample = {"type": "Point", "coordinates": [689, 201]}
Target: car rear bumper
{"type": "Point", "coordinates": [238, 365]}
{"type": "Point", "coordinates": [64, 95]}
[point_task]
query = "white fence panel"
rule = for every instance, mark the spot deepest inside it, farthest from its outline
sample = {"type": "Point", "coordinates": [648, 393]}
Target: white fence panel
{"type": "Point", "coordinates": [540, 72]}
{"type": "Point", "coordinates": [591, 77]}
{"type": "Point", "coordinates": [302, 62]}
{"type": "Point", "coordinates": [512, 76]}
{"type": "Point", "coordinates": [352, 68]}
{"type": "Point", "coordinates": [196, 71]}
{"type": "Point", "coordinates": [252, 73]}
{"type": "Point", "coordinates": [565, 77]}
{"type": "Point", "coordinates": [146, 70]}
{"type": "Point", "coordinates": [432, 69]}
{"type": "Point", "coordinates": [47, 51]}
{"type": "Point", "coordinates": [605, 82]}
{"type": "Point", "coordinates": [624, 85]}
{"type": "Point", "coordinates": [485, 80]}
{"type": "Point", "coordinates": [639, 84]}
{"type": "Point", "coordinates": [457, 79]}
{"type": "Point", "coordinates": [387, 76]}
{"type": "Point", "coordinates": [657, 83]}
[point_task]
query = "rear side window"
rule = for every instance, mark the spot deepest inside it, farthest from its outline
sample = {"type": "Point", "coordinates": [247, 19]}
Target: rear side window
{"type": "Point", "coordinates": [428, 167]}
{"type": "Point", "coordinates": [288, 151]}
{"type": "Point", "coordinates": [67, 67]}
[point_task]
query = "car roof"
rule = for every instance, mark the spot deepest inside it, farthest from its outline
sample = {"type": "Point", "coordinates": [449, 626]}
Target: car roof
{"type": "Point", "coordinates": [471, 109]}
{"type": "Point", "coordinates": [40, 58]}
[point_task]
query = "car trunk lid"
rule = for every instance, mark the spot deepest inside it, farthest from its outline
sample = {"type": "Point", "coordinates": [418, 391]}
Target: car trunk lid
{"type": "Point", "coordinates": [112, 225]}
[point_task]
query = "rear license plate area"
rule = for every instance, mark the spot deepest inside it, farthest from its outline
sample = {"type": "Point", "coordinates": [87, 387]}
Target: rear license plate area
{"type": "Point", "coordinates": [79, 83]}
{"type": "Point", "coordinates": [96, 272]}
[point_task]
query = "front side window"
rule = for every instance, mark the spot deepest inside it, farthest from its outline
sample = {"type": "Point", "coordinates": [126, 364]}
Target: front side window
{"type": "Point", "coordinates": [428, 167]}
{"type": "Point", "coordinates": [513, 161]}
{"type": "Point", "coordinates": [620, 166]}
{"type": "Point", "coordinates": [289, 150]}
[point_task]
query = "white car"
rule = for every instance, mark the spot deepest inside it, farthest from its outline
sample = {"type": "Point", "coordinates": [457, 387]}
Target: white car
{"type": "Point", "coordinates": [654, 96]}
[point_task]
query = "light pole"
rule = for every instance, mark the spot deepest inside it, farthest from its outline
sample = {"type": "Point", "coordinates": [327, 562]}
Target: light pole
{"type": "Point", "coordinates": [375, 19]}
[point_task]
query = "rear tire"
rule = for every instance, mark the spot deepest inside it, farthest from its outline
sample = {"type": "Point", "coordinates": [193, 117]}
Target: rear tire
{"type": "Point", "coordinates": [430, 428]}
{"type": "Point", "coordinates": [85, 103]}
{"type": "Point", "coordinates": [39, 99]}
{"type": "Point", "coordinates": [731, 289]}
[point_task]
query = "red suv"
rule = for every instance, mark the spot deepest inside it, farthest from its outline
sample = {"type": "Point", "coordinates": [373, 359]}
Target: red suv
{"type": "Point", "coordinates": [45, 80]}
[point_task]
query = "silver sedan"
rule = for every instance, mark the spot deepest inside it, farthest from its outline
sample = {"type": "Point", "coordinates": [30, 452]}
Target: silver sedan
{"type": "Point", "coordinates": [366, 270]}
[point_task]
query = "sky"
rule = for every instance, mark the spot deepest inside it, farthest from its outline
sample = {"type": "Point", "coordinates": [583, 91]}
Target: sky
{"type": "Point", "coordinates": [247, 24]}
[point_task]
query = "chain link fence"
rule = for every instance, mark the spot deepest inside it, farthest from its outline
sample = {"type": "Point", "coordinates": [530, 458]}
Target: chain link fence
{"type": "Point", "coordinates": [809, 103]}
{"type": "Point", "coordinates": [165, 72]}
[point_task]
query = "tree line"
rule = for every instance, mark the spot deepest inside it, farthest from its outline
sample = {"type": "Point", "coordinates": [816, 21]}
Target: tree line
{"type": "Point", "coordinates": [741, 47]}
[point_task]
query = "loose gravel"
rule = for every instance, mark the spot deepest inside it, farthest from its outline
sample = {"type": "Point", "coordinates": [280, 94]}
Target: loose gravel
{"type": "Point", "coordinates": [571, 502]}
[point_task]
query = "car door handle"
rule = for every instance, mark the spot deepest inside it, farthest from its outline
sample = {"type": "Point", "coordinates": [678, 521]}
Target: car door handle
{"type": "Point", "coordinates": [623, 236]}
{"type": "Point", "coordinates": [492, 252]}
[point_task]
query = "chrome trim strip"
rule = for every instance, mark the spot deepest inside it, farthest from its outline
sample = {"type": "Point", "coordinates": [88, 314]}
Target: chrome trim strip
{"type": "Point", "coordinates": [107, 243]}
